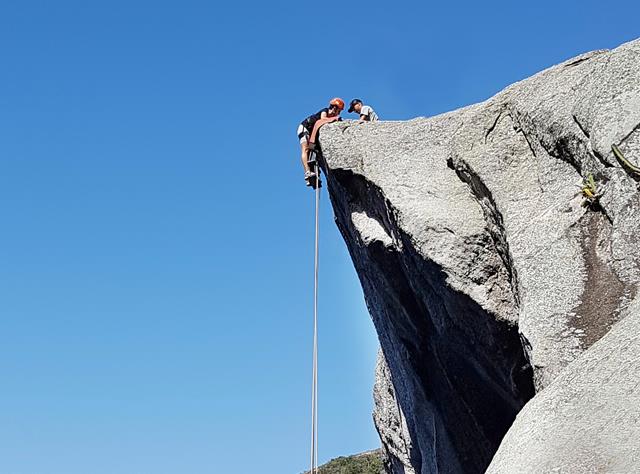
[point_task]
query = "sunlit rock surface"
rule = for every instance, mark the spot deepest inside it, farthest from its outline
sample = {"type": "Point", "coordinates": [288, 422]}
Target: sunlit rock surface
{"type": "Point", "coordinates": [488, 281]}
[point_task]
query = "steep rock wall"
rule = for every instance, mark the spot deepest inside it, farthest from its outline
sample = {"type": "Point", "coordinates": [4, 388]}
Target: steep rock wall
{"type": "Point", "coordinates": [483, 273]}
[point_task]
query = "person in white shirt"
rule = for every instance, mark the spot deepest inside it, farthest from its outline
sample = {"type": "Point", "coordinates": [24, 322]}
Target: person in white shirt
{"type": "Point", "coordinates": [367, 114]}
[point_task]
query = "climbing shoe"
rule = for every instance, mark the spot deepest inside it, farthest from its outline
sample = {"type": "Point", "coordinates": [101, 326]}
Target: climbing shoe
{"type": "Point", "coordinates": [313, 180]}
{"type": "Point", "coordinates": [310, 178]}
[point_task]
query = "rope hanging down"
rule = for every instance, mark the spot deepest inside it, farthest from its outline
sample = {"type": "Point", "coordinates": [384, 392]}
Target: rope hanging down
{"type": "Point", "coordinates": [313, 161]}
{"type": "Point", "coordinates": [314, 385]}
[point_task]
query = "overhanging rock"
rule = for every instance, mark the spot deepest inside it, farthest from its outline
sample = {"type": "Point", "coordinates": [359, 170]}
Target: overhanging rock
{"type": "Point", "coordinates": [483, 273]}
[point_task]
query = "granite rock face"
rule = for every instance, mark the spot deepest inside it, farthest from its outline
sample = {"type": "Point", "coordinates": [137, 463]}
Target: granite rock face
{"type": "Point", "coordinates": [588, 418]}
{"type": "Point", "coordinates": [389, 420]}
{"type": "Point", "coordinates": [487, 279]}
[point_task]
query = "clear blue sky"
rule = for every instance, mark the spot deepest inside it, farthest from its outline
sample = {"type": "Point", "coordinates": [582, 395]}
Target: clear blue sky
{"type": "Point", "coordinates": [155, 251]}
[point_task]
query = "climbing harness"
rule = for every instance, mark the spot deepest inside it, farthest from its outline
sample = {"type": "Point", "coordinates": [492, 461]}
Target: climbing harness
{"type": "Point", "coordinates": [312, 159]}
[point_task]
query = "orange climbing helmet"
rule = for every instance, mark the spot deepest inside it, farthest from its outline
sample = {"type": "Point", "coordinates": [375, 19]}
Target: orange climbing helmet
{"type": "Point", "coordinates": [338, 102]}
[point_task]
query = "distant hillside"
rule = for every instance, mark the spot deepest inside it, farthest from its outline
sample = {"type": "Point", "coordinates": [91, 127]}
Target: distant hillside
{"type": "Point", "coordinates": [363, 463]}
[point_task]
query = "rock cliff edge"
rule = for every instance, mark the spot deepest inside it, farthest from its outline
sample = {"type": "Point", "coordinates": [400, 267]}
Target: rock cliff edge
{"type": "Point", "coordinates": [507, 312]}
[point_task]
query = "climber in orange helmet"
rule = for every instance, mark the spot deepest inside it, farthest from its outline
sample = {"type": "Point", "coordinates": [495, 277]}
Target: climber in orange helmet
{"type": "Point", "coordinates": [305, 128]}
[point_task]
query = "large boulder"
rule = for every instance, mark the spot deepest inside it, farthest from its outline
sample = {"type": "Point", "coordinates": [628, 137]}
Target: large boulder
{"type": "Point", "coordinates": [485, 273]}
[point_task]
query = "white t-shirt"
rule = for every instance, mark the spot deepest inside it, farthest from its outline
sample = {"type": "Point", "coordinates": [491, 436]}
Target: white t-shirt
{"type": "Point", "coordinates": [368, 112]}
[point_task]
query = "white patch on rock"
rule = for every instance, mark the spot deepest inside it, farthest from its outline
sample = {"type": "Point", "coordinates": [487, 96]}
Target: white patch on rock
{"type": "Point", "coordinates": [370, 229]}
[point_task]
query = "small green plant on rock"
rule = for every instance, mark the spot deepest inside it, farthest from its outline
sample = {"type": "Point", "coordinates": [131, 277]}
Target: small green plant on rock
{"type": "Point", "coordinates": [590, 191]}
